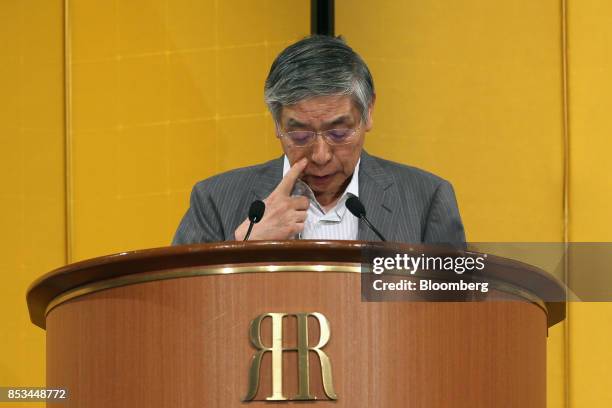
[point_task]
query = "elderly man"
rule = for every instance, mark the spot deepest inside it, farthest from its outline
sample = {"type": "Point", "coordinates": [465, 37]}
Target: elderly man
{"type": "Point", "coordinates": [321, 96]}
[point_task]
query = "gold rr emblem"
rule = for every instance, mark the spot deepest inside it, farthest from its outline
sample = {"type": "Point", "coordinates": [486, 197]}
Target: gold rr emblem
{"type": "Point", "coordinates": [302, 349]}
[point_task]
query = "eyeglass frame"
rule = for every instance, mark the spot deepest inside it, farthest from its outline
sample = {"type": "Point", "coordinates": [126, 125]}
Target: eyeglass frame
{"type": "Point", "coordinates": [280, 133]}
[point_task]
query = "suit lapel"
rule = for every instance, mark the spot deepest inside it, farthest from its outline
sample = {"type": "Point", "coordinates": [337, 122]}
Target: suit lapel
{"type": "Point", "coordinates": [379, 198]}
{"type": "Point", "coordinates": [262, 183]}
{"type": "Point", "coordinates": [267, 179]}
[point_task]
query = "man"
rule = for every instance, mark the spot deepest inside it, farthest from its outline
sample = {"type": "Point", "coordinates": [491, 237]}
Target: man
{"type": "Point", "coordinates": [321, 96]}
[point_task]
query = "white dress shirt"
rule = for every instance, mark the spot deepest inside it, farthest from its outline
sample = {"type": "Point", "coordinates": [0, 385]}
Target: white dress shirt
{"type": "Point", "coordinates": [338, 222]}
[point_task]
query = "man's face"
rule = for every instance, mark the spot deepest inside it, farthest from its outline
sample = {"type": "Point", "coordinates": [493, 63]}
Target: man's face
{"type": "Point", "coordinates": [329, 167]}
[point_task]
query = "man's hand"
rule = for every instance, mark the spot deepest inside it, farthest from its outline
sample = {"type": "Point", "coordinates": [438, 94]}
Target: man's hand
{"type": "Point", "coordinates": [285, 215]}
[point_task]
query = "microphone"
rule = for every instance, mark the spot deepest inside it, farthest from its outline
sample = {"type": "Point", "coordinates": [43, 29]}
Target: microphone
{"type": "Point", "coordinates": [256, 212]}
{"type": "Point", "coordinates": [358, 210]}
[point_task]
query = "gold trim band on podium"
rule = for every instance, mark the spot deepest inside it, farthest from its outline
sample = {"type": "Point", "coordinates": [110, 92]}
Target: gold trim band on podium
{"type": "Point", "coordinates": [228, 270]}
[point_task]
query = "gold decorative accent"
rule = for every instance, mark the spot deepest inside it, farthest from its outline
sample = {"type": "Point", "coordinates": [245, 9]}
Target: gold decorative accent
{"type": "Point", "coordinates": [191, 272]}
{"type": "Point", "coordinates": [302, 349]}
{"type": "Point", "coordinates": [68, 136]}
{"type": "Point", "coordinates": [228, 270]}
{"type": "Point", "coordinates": [519, 292]}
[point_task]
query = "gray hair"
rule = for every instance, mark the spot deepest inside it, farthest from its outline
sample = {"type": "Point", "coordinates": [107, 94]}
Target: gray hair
{"type": "Point", "coordinates": [318, 65]}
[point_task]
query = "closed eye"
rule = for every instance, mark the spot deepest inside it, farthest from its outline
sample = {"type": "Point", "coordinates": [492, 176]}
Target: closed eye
{"type": "Point", "coordinates": [338, 134]}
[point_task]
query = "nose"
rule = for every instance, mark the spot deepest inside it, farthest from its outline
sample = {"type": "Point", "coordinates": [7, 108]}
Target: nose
{"type": "Point", "coordinates": [321, 152]}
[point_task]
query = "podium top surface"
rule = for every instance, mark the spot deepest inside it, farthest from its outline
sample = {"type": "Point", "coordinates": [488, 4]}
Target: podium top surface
{"type": "Point", "coordinates": [265, 257]}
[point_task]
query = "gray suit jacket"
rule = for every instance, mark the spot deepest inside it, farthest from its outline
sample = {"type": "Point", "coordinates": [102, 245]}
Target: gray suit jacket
{"type": "Point", "coordinates": [405, 204]}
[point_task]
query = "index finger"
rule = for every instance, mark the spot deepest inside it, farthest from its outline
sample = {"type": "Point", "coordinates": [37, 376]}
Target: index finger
{"type": "Point", "coordinates": [288, 181]}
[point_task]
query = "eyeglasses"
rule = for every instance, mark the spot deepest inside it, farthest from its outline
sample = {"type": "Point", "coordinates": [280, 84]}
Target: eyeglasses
{"type": "Point", "coordinates": [333, 137]}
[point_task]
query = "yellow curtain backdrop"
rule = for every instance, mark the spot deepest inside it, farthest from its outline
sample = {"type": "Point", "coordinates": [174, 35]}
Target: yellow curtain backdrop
{"type": "Point", "coordinates": [163, 94]}
{"type": "Point", "coordinates": [112, 110]}
{"type": "Point", "coordinates": [32, 199]}
{"type": "Point", "coordinates": [590, 169]}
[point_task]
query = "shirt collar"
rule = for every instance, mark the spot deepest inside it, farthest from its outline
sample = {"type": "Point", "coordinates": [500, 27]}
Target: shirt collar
{"type": "Point", "coordinates": [302, 188]}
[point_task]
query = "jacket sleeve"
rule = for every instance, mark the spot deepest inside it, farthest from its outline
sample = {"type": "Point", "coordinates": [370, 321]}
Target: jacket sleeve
{"type": "Point", "coordinates": [443, 225]}
{"type": "Point", "coordinates": [202, 222]}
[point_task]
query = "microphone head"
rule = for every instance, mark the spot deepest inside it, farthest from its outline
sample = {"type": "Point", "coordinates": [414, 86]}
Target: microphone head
{"type": "Point", "coordinates": [355, 207]}
{"type": "Point", "coordinates": [256, 211]}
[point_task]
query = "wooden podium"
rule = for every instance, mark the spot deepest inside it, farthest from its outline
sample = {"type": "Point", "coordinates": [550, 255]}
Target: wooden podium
{"type": "Point", "coordinates": [181, 327]}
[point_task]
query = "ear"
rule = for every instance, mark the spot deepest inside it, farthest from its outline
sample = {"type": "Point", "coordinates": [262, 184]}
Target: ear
{"type": "Point", "coordinates": [370, 120]}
